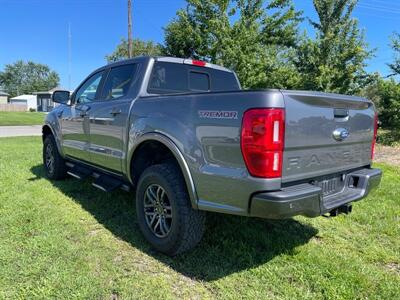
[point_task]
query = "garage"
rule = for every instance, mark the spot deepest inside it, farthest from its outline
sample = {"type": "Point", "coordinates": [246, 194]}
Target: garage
{"type": "Point", "coordinates": [28, 100]}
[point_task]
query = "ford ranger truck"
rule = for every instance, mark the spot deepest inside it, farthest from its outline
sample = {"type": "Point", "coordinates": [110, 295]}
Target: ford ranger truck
{"type": "Point", "coordinates": [186, 139]}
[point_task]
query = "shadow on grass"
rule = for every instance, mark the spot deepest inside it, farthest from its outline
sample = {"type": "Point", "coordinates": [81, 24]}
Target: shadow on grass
{"type": "Point", "coordinates": [230, 244]}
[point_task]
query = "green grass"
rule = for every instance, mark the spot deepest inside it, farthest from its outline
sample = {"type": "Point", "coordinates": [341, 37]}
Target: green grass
{"type": "Point", "coordinates": [21, 118]}
{"type": "Point", "coordinates": [66, 239]}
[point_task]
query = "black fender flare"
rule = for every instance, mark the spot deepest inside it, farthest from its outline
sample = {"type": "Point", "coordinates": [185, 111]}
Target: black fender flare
{"type": "Point", "coordinates": [166, 141]}
{"type": "Point", "coordinates": [56, 137]}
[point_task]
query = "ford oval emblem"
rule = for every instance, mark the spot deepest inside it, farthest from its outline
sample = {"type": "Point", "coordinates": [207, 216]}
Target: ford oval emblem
{"type": "Point", "coordinates": [340, 134]}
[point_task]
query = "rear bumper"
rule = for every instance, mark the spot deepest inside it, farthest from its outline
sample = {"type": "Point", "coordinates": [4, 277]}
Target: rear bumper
{"type": "Point", "coordinates": [308, 200]}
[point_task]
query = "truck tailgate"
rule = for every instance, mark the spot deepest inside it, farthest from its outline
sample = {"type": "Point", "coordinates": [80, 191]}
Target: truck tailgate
{"type": "Point", "coordinates": [311, 149]}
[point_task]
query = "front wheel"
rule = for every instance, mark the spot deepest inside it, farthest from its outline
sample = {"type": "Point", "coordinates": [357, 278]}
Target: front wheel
{"type": "Point", "coordinates": [164, 212]}
{"type": "Point", "coordinates": [53, 162]}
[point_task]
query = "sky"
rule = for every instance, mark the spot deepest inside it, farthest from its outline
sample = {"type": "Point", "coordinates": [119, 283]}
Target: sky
{"type": "Point", "coordinates": [37, 30]}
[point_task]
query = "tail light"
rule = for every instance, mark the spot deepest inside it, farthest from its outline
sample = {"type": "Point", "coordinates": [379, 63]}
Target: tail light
{"type": "Point", "coordinates": [375, 135]}
{"type": "Point", "coordinates": [262, 140]}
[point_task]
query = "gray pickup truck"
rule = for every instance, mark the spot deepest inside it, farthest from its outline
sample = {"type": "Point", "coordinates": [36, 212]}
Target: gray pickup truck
{"type": "Point", "coordinates": [186, 139]}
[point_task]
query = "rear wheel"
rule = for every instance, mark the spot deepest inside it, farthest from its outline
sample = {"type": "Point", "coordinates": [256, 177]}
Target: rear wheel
{"type": "Point", "coordinates": [53, 163]}
{"type": "Point", "coordinates": [164, 212]}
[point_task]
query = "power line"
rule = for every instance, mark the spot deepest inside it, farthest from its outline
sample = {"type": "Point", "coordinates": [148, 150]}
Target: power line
{"type": "Point", "coordinates": [380, 8]}
{"type": "Point", "coordinates": [380, 2]}
{"type": "Point", "coordinates": [370, 13]}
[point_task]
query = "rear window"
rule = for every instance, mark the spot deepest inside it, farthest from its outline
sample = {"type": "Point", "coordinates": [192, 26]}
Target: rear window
{"type": "Point", "coordinates": [199, 81]}
{"type": "Point", "coordinates": [171, 78]}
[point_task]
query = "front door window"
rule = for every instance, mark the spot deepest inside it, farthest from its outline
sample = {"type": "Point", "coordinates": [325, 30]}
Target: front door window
{"type": "Point", "coordinates": [88, 91]}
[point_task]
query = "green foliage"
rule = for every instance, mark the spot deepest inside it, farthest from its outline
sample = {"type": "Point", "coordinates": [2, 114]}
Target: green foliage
{"type": "Point", "coordinates": [252, 37]}
{"type": "Point", "coordinates": [335, 60]}
{"type": "Point", "coordinates": [139, 48]}
{"type": "Point", "coordinates": [259, 39]}
{"type": "Point", "coordinates": [27, 77]}
{"type": "Point", "coordinates": [388, 137]}
{"type": "Point", "coordinates": [395, 66]}
{"type": "Point", "coordinates": [386, 96]}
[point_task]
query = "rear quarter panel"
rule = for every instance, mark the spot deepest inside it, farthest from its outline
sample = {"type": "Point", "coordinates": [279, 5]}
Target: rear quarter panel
{"type": "Point", "coordinates": [206, 129]}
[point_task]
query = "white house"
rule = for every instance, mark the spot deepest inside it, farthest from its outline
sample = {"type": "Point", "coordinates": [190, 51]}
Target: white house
{"type": "Point", "coordinates": [39, 101]}
{"type": "Point", "coordinates": [29, 100]}
{"type": "Point", "coordinates": [3, 97]}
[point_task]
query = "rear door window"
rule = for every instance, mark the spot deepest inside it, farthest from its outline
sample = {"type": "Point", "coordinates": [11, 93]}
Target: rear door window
{"type": "Point", "coordinates": [118, 82]}
{"type": "Point", "coordinates": [168, 78]}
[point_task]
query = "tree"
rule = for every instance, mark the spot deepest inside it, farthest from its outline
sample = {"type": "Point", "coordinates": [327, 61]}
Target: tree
{"type": "Point", "coordinates": [139, 48]}
{"type": "Point", "coordinates": [385, 93]}
{"type": "Point", "coordinates": [395, 66]}
{"type": "Point", "coordinates": [335, 61]}
{"type": "Point", "coordinates": [27, 77]}
{"type": "Point", "coordinates": [253, 37]}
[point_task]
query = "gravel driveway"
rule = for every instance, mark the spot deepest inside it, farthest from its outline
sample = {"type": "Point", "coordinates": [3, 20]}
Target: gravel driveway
{"type": "Point", "coordinates": [388, 155]}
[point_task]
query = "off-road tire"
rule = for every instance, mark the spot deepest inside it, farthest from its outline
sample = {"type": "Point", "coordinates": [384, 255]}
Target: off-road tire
{"type": "Point", "coordinates": [187, 225]}
{"type": "Point", "coordinates": [59, 169]}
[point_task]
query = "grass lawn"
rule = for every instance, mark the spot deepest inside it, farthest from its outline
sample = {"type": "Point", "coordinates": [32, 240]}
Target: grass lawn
{"type": "Point", "coordinates": [69, 240]}
{"type": "Point", "coordinates": [21, 118]}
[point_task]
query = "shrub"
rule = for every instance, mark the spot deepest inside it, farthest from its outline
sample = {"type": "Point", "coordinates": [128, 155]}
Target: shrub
{"type": "Point", "coordinates": [388, 137]}
{"type": "Point", "coordinates": [386, 96]}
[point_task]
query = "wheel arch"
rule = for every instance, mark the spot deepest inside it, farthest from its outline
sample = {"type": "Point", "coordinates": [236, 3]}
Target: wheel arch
{"type": "Point", "coordinates": [47, 129]}
{"type": "Point", "coordinates": [141, 152]}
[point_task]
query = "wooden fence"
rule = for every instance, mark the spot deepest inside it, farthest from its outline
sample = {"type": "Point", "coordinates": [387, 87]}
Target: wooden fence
{"type": "Point", "coordinates": [13, 107]}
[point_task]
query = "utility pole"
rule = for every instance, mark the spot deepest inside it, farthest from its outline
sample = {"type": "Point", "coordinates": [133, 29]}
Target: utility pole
{"type": "Point", "coordinates": [69, 55]}
{"type": "Point", "coordinates": [130, 28]}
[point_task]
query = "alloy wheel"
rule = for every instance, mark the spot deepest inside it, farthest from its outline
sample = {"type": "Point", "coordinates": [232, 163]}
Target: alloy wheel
{"type": "Point", "coordinates": [157, 210]}
{"type": "Point", "coordinates": [49, 158]}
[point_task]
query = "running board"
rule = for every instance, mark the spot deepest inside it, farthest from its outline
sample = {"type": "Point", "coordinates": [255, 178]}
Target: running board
{"type": "Point", "coordinates": [79, 172]}
{"type": "Point", "coordinates": [102, 181]}
{"type": "Point", "coordinates": [106, 183]}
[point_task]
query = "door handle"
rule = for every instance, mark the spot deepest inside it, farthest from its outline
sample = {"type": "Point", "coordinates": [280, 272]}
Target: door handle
{"type": "Point", "coordinates": [115, 111]}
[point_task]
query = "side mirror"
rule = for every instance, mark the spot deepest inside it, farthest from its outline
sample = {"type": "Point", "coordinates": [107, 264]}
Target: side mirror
{"type": "Point", "coordinates": [61, 97]}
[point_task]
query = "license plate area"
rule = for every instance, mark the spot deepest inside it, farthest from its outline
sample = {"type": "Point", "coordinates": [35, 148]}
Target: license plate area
{"type": "Point", "coordinates": [330, 186]}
